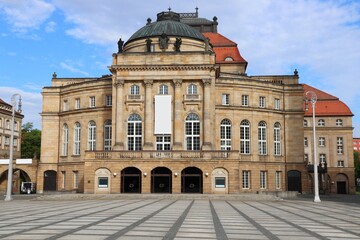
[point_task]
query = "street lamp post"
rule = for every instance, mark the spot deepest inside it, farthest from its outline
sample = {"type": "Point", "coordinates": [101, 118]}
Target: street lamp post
{"type": "Point", "coordinates": [313, 99]}
{"type": "Point", "coordinates": [10, 170]}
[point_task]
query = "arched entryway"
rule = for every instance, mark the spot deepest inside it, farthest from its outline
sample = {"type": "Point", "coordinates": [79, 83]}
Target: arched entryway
{"type": "Point", "coordinates": [50, 180]}
{"type": "Point", "coordinates": [191, 180]}
{"type": "Point", "coordinates": [130, 180]}
{"type": "Point", "coordinates": [294, 180]}
{"type": "Point", "coordinates": [19, 176]}
{"type": "Point", "coordinates": [161, 180]}
{"type": "Point", "coordinates": [342, 184]}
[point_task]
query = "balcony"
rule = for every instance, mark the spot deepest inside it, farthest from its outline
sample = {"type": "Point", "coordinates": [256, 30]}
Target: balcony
{"type": "Point", "coordinates": [150, 155]}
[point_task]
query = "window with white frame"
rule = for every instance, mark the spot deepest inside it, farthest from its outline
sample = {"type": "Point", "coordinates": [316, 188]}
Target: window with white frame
{"type": "Point", "coordinates": [339, 122]}
{"type": "Point", "coordinates": [65, 105]}
{"type": "Point", "coordinates": [77, 103]}
{"type": "Point", "coordinates": [263, 179]}
{"type": "Point", "coordinates": [322, 158]}
{"type": "Point", "coordinates": [322, 141]}
{"type": "Point", "coordinates": [245, 137]}
{"type": "Point", "coordinates": [163, 89]}
{"type": "Point", "coordinates": [92, 136]}
{"type": "Point", "coordinates": [76, 179]}
{"type": "Point", "coordinates": [277, 103]}
{"type": "Point", "coordinates": [107, 135]}
{"type": "Point", "coordinates": [245, 100]}
{"type": "Point", "coordinates": [262, 138]}
{"type": "Point", "coordinates": [77, 130]}
{"type": "Point", "coordinates": [1, 122]}
{"type": "Point", "coordinates": [7, 140]}
{"type": "Point", "coordinates": [16, 126]}
{"type": "Point", "coordinates": [192, 132]}
{"type": "Point", "coordinates": [163, 142]}
{"type": "Point", "coordinates": [321, 122]}
{"type": "Point", "coordinates": [262, 102]}
{"type": "Point", "coordinates": [134, 90]}
{"type": "Point", "coordinates": [339, 145]}
{"type": "Point", "coordinates": [65, 140]}
{"type": "Point", "coordinates": [108, 100]}
{"type": "Point", "coordinates": [15, 140]}
{"type": "Point", "coordinates": [277, 139]}
{"type": "Point", "coordinates": [225, 99]}
{"type": "Point", "coordinates": [225, 134]}
{"type": "Point", "coordinates": [7, 124]}
{"type": "Point", "coordinates": [340, 163]}
{"type": "Point", "coordinates": [305, 123]}
{"type": "Point", "coordinates": [278, 180]}
{"type": "Point", "coordinates": [134, 133]}
{"type": "Point", "coordinates": [0, 140]}
{"type": "Point", "coordinates": [246, 179]}
{"type": "Point", "coordinates": [92, 101]}
{"type": "Point", "coordinates": [103, 182]}
{"type": "Point", "coordinates": [305, 142]}
{"type": "Point", "coordinates": [192, 89]}
{"type": "Point", "coordinates": [63, 183]}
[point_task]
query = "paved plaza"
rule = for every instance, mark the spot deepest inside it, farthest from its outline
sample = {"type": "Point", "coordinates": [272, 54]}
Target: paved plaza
{"type": "Point", "coordinates": [167, 218]}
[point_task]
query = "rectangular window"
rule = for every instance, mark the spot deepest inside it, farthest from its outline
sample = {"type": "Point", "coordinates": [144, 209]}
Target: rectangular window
{"type": "Point", "coordinates": [63, 183]}
{"type": "Point", "coordinates": [340, 163]}
{"type": "Point", "coordinates": [339, 145]}
{"type": "Point", "coordinates": [163, 142]}
{"type": "Point", "coordinates": [322, 158]}
{"type": "Point", "coordinates": [246, 179]}
{"type": "Point", "coordinates": [262, 102]}
{"type": "Point", "coordinates": [244, 100]}
{"type": "Point", "coordinates": [107, 135]}
{"type": "Point", "coordinates": [305, 141]}
{"type": "Point", "coordinates": [306, 158]}
{"type": "Point", "coordinates": [103, 182]}
{"type": "Point", "coordinates": [263, 179]}
{"type": "Point", "coordinates": [65, 105]}
{"type": "Point", "coordinates": [277, 103]}
{"type": "Point", "coordinates": [7, 140]}
{"type": "Point", "coordinates": [92, 101]}
{"type": "Point", "coordinates": [1, 123]}
{"type": "Point", "coordinates": [76, 179]}
{"type": "Point", "coordinates": [278, 180]}
{"type": "Point", "coordinates": [321, 141]}
{"type": "Point", "coordinates": [277, 141]}
{"type": "Point", "coordinates": [0, 140]}
{"type": "Point", "coordinates": [108, 100]}
{"type": "Point", "coordinates": [15, 142]}
{"type": "Point", "coordinates": [225, 99]}
{"type": "Point", "coordinates": [77, 103]}
{"type": "Point", "coordinates": [220, 182]}
{"type": "Point", "coordinates": [7, 124]}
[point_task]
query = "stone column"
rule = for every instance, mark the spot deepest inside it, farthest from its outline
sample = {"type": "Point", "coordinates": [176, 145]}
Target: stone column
{"type": "Point", "coordinates": [177, 115]}
{"type": "Point", "coordinates": [206, 131]}
{"type": "Point", "coordinates": [117, 114]}
{"type": "Point", "coordinates": [149, 129]}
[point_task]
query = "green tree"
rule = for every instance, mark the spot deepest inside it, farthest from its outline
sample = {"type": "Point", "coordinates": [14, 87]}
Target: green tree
{"type": "Point", "coordinates": [357, 164]}
{"type": "Point", "coordinates": [31, 141]}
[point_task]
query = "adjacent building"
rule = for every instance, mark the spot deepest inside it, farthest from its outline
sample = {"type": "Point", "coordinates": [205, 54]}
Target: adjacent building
{"type": "Point", "coordinates": [179, 114]}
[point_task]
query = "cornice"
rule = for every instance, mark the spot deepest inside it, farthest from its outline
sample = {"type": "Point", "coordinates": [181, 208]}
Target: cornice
{"type": "Point", "coordinates": [164, 68]}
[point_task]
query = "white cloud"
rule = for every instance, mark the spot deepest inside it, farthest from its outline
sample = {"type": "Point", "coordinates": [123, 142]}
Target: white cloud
{"type": "Point", "coordinates": [73, 69]}
{"type": "Point", "coordinates": [23, 15]}
{"type": "Point", "coordinates": [50, 27]}
{"type": "Point", "coordinates": [31, 104]}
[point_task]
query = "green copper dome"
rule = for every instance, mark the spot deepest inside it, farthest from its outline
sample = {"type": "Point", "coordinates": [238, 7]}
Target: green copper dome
{"type": "Point", "coordinates": [168, 23]}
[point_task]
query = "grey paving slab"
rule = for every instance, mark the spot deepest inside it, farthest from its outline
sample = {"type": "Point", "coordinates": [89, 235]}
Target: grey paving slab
{"type": "Point", "coordinates": [179, 219]}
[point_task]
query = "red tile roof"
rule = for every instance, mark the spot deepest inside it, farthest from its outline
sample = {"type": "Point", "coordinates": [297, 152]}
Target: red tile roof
{"type": "Point", "coordinates": [223, 48]}
{"type": "Point", "coordinates": [326, 105]}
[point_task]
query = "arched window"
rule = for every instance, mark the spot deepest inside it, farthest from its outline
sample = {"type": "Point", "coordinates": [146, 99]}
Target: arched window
{"type": "Point", "coordinates": [225, 134]}
{"type": "Point", "coordinates": [77, 130]}
{"type": "Point", "coordinates": [192, 132]}
{"type": "Point", "coordinates": [134, 90]}
{"type": "Point", "coordinates": [65, 140]}
{"type": "Point", "coordinates": [92, 136]}
{"type": "Point", "coordinates": [163, 89]}
{"type": "Point", "coordinates": [192, 89]}
{"type": "Point", "coordinates": [229, 59]}
{"type": "Point", "coordinates": [321, 122]}
{"type": "Point", "coordinates": [107, 135]}
{"type": "Point", "coordinates": [134, 132]}
{"type": "Point", "coordinates": [262, 138]}
{"type": "Point", "coordinates": [245, 137]}
{"type": "Point", "coordinates": [277, 139]}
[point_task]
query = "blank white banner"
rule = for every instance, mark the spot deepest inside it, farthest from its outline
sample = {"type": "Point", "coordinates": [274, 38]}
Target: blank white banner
{"type": "Point", "coordinates": [163, 114]}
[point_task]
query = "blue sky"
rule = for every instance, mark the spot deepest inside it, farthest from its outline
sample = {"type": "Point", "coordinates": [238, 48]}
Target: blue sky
{"type": "Point", "coordinates": [77, 38]}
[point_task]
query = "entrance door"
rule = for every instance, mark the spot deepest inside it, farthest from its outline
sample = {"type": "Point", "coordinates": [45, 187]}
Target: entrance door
{"type": "Point", "coordinates": [341, 187]}
{"type": "Point", "coordinates": [161, 180]}
{"type": "Point", "coordinates": [191, 180]}
{"type": "Point", "coordinates": [131, 180]}
{"type": "Point", "coordinates": [50, 180]}
{"type": "Point", "coordinates": [294, 180]}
